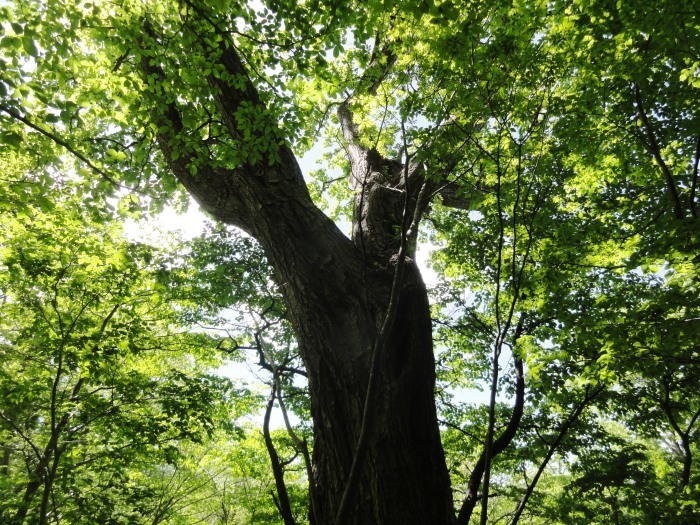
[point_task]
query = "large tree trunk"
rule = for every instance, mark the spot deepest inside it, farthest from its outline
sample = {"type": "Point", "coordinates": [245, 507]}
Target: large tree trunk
{"type": "Point", "coordinates": [337, 298]}
{"type": "Point", "coordinates": [404, 478]}
{"type": "Point", "coordinates": [337, 292]}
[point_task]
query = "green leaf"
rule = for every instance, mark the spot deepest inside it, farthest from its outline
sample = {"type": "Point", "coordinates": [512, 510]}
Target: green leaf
{"type": "Point", "coordinates": [29, 46]}
{"type": "Point", "coordinates": [9, 42]}
{"type": "Point", "coordinates": [119, 156]}
{"type": "Point", "coordinates": [12, 139]}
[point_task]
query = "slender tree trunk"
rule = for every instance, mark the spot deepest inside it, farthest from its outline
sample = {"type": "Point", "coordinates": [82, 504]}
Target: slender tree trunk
{"type": "Point", "coordinates": [687, 461]}
{"type": "Point", "coordinates": [282, 500]}
{"type": "Point", "coordinates": [498, 446]}
{"type": "Point", "coordinates": [48, 487]}
{"type": "Point", "coordinates": [29, 493]}
{"type": "Point", "coordinates": [5, 461]}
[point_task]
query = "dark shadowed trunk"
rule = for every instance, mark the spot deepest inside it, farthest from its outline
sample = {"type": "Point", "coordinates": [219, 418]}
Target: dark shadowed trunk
{"type": "Point", "coordinates": [337, 291]}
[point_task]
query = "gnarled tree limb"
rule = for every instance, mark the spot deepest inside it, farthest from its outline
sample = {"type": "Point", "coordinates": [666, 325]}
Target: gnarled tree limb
{"type": "Point", "coordinates": [499, 445]}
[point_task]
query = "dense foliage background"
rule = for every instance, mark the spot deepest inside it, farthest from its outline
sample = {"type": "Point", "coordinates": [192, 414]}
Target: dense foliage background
{"type": "Point", "coordinates": [566, 245]}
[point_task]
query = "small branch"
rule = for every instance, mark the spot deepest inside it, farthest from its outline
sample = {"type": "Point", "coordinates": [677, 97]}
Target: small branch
{"type": "Point", "coordinates": [684, 436]}
{"type": "Point", "coordinates": [22, 435]}
{"type": "Point", "coordinates": [55, 138]}
{"type": "Point", "coordinates": [552, 448]}
{"type": "Point", "coordinates": [459, 429]}
{"type": "Point", "coordinates": [692, 422]}
{"type": "Point", "coordinates": [262, 363]}
{"type": "Point", "coordinates": [303, 447]}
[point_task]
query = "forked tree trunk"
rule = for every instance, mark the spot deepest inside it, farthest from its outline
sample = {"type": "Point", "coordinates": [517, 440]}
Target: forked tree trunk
{"type": "Point", "coordinates": [337, 293]}
{"type": "Point", "coordinates": [337, 299]}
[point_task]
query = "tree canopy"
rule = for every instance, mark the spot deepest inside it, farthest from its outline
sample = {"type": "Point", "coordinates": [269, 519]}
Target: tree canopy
{"type": "Point", "coordinates": [545, 152]}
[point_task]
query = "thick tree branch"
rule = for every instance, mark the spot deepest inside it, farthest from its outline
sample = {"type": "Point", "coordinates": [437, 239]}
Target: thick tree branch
{"type": "Point", "coordinates": [454, 197]}
{"type": "Point", "coordinates": [694, 180]}
{"type": "Point", "coordinates": [655, 150]}
{"type": "Point", "coordinates": [269, 199]}
{"type": "Point", "coordinates": [282, 499]}
{"type": "Point", "coordinates": [357, 154]}
{"type": "Point", "coordinates": [363, 160]}
{"type": "Point", "coordinates": [499, 445]}
{"type": "Point", "coordinates": [214, 189]}
{"type": "Point", "coordinates": [303, 447]}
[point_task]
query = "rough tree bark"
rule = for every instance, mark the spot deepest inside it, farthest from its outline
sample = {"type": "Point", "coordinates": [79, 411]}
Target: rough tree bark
{"type": "Point", "coordinates": [336, 291]}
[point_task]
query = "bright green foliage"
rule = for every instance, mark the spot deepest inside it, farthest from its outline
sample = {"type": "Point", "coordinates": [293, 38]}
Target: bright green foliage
{"type": "Point", "coordinates": [569, 136]}
{"type": "Point", "coordinates": [579, 230]}
{"type": "Point", "coordinates": [102, 386]}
